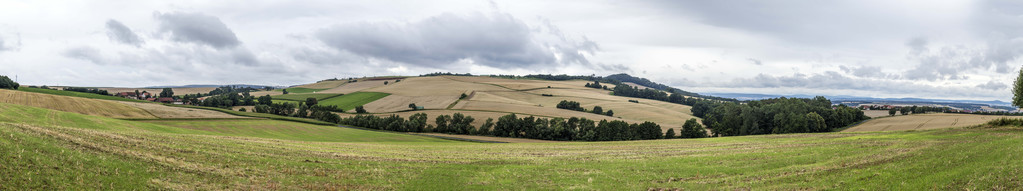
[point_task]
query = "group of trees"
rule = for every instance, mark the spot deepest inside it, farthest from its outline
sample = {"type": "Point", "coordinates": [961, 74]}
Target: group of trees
{"type": "Point", "coordinates": [658, 86]}
{"type": "Point", "coordinates": [596, 85]}
{"type": "Point", "coordinates": [309, 109]}
{"type": "Point", "coordinates": [7, 83]}
{"type": "Point", "coordinates": [572, 129]}
{"type": "Point", "coordinates": [446, 74]}
{"type": "Point", "coordinates": [573, 105]}
{"type": "Point", "coordinates": [691, 129]}
{"type": "Point", "coordinates": [629, 91]}
{"type": "Point", "coordinates": [87, 90]}
{"type": "Point", "coordinates": [916, 110]}
{"type": "Point", "coordinates": [773, 116]}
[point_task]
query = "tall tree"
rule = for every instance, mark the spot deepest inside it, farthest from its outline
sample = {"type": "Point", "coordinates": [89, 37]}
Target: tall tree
{"type": "Point", "coordinates": [310, 101]}
{"type": "Point", "coordinates": [167, 92]}
{"type": "Point", "coordinates": [1017, 90]}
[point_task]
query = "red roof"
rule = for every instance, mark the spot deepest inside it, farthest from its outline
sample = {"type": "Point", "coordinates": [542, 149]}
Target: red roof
{"type": "Point", "coordinates": [165, 99]}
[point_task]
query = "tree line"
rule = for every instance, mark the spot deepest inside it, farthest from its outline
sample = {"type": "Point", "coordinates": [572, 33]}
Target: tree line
{"type": "Point", "coordinates": [571, 129]}
{"type": "Point", "coordinates": [775, 116]}
{"type": "Point", "coordinates": [87, 90]}
{"type": "Point", "coordinates": [573, 105]}
{"type": "Point", "coordinates": [7, 83]}
{"type": "Point", "coordinates": [309, 109]}
{"type": "Point", "coordinates": [647, 93]}
{"type": "Point", "coordinates": [916, 110]}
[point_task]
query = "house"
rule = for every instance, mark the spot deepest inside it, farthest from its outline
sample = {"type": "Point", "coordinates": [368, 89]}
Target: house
{"type": "Point", "coordinates": [133, 95]}
{"type": "Point", "coordinates": [166, 100]}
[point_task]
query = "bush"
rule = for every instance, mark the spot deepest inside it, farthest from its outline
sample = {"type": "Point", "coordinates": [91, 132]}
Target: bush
{"type": "Point", "coordinates": [1006, 122]}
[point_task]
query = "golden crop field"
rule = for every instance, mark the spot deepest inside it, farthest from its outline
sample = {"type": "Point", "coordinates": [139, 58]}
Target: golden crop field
{"type": "Point", "coordinates": [324, 84]}
{"type": "Point", "coordinates": [923, 122]}
{"type": "Point", "coordinates": [348, 88]}
{"type": "Point", "coordinates": [876, 113]}
{"type": "Point", "coordinates": [168, 112]}
{"type": "Point", "coordinates": [86, 106]}
{"type": "Point", "coordinates": [393, 103]}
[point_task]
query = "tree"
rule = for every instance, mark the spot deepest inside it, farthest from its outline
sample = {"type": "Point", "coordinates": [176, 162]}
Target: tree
{"type": "Point", "coordinates": [598, 110]}
{"type": "Point", "coordinates": [412, 106]}
{"type": "Point", "coordinates": [670, 134]}
{"type": "Point", "coordinates": [610, 113]}
{"type": "Point", "coordinates": [485, 128]}
{"type": "Point", "coordinates": [7, 83]}
{"type": "Point", "coordinates": [463, 96]}
{"type": "Point", "coordinates": [265, 100]}
{"type": "Point", "coordinates": [1017, 90]}
{"type": "Point", "coordinates": [692, 129]}
{"type": "Point", "coordinates": [310, 101]}
{"type": "Point", "coordinates": [385, 82]}
{"type": "Point", "coordinates": [138, 95]}
{"type": "Point", "coordinates": [241, 109]}
{"type": "Point", "coordinates": [891, 112]}
{"type": "Point", "coordinates": [167, 92]}
{"type": "Point", "coordinates": [904, 111]}
{"type": "Point", "coordinates": [359, 109]}
{"type": "Point", "coordinates": [816, 123]}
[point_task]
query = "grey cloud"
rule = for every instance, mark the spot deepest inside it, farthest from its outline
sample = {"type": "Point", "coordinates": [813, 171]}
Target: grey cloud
{"type": "Point", "coordinates": [122, 34]}
{"type": "Point", "coordinates": [917, 45]}
{"type": "Point", "coordinates": [831, 80]}
{"type": "Point", "coordinates": [755, 61]}
{"type": "Point", "coordinates": [497, 40]}
{"type": "Point", "coordinates": [85, 53]}
{"type": "Point", "coordinates": [867, 72]}
{"type": "Point", "coordinates": [993, 85]}
{"type": "Point", "coordinates": [197, 28]}
{"type": "Point", "coordinates": [3, 46]}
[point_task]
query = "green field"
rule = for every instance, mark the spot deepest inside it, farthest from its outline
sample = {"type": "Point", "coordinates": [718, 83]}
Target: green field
{"type": "Point", "coordinates": [352, 100]}
{"type": "Point", "coordinates": [302, 97]}
{"type": "Point", "coordinates": [289, 130]}
{"type": "Point", "coordinates": [78, 94]}
{"type": "Point", "coordinates": [50, 150]}
{"type": "Point", "coordinates": [300, 90]}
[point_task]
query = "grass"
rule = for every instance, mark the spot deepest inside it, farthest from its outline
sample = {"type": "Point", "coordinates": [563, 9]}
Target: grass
{"type": "Point", "coordinates": [297, 90]}
{"type": "Point", "coordinates": [79, 94]}
{"type": "Point", "coordinates": [44, 150]}
{"type": "Point", "coordinates": [302, 97]}
{"type": "Point", "coordinates": [352, 100]}
{"type": "Point", "coordinates": [259, 115]}
{"type": "Point", "coordinates": [289, 130]}
{"type": "Point", "coordinates": [73, 104]}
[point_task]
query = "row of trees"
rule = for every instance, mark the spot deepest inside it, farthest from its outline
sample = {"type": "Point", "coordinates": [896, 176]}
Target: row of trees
{"type": "Point", "coordinates": [629, 91]}
{"type": "Point", "coordinates": [573, 105]}
{"type": "Point", "coordinates": [774, 116]}
{"type": "Point", "coordinates": [916, 110]}
{"type": "Point", "coordinates": [308, 110]}
{"type": "Point", "coordinates": [87, 90]}
{"type": "Point", "coordinates": [596, 85]}
{"type": "Point", "coordinates": [7, 83]}
{"type": "Point", "coordinates": [572, 129]}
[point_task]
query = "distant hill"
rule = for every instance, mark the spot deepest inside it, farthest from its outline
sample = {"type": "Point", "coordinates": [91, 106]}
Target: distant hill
{"type": "Point", "coordinates": [852, 99]}
{"type": "Point", "coordinates": [645, 82]}
{"type": "Point", "coordinates": [211, 86]}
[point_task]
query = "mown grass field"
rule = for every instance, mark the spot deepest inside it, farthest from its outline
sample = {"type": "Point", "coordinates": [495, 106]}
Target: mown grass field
{"type": "Point", "coordinates": [45, 150]}
{"type": "Point", "coordinates": [288, 130]}
{"type": "Point", "coordinates": [352, 100]}
{"type": "Point", "coordinates": [303, 97]}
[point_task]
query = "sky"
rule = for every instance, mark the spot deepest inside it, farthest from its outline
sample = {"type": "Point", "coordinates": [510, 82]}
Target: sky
{"type": "Point", "coordinates": [872, 48]}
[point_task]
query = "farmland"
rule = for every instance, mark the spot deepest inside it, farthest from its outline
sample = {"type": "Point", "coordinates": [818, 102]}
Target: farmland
{"type": "Point", "coordinates": [302, 97]}
{"type": "Point", "coordinates": [73, 104]}
{"type": "Point", "coordinates": [168, 112]}
{"type": "Point", "coordinates": [89, 152]}
{"type": "Point", "coordinates": [298, 90]}
{"type": "Point", "coordinates": [923, 122]}
{"type": "Point", "coordinates": [288, 130]}
{"type": "Point", "coordinates": [352, 100]}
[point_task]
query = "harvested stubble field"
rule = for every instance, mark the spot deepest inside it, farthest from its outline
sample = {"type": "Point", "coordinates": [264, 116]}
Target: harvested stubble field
{"type": "Point", "coordinates": [73, 104]}
{"type": "Point", "coordinates": [924, 122]}
{"type": "Point", "coordinates": [168, 112]}
{"type": "Point", "coordinates": [299, 90]}
{"type": "Point", "coordinates": [88, 152]}
{"type": "Point", "coordinates": [354, 87]}
{"type": "Point", "coordinates": [303, 97]}
{"type": "Point", "coordinates": [877, 113]}
{"type": "Point", "coordinates": [394, 103]}
{"type": "Point", "coordinates": [324, 84]}
{"type": "Point", "coordinates": [287, 130]}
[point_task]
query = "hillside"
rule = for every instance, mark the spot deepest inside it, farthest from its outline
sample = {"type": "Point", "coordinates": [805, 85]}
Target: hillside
{"type": "Point", "coordinates": [88, 152]}
{"type": "Point", "coordinates": [86, 106]}
{"type": "Point", "coordinates": [491, 97]}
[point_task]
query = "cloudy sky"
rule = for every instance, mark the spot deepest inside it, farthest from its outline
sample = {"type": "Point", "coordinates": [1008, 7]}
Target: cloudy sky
{"type": "Point", "coordinates": [878, 48]}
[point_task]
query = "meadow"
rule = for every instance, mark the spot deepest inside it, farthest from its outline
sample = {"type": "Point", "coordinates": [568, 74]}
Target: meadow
{"type": "Point", "coordinates": [348, 102]}
{"type": "Point", "coordinates": [50, 149]}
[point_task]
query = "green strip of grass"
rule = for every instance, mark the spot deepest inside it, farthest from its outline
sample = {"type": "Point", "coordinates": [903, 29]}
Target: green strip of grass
{"type": "Point", "coordinates": [78, 94]}
{"type": "Point", "coordinates": [352, 100]}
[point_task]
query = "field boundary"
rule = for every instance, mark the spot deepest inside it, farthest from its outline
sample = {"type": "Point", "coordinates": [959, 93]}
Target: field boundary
{"type": "Point", "coordinates": [433, 136]}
